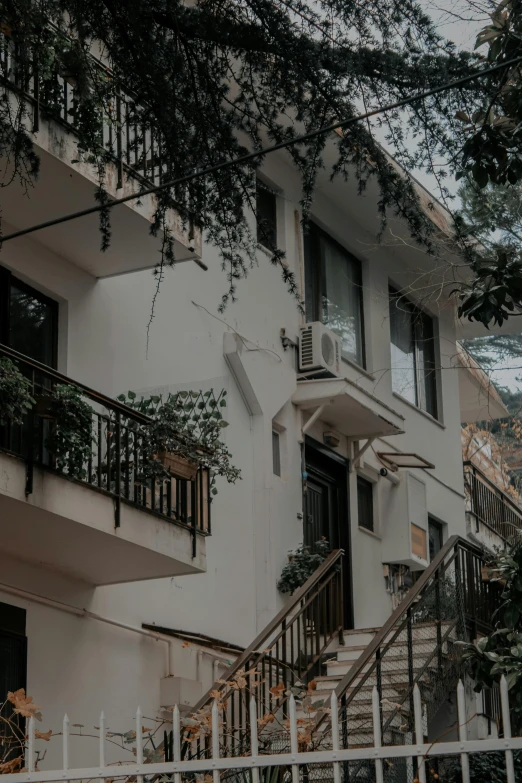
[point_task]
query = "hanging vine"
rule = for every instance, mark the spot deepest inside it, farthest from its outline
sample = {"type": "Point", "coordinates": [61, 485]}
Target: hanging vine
{"type": "Point", "coordinates": [218, 78]}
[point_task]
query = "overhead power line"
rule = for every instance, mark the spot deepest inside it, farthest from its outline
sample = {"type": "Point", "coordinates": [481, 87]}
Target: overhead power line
{"type": "Point", "coordinates": [325, 129]}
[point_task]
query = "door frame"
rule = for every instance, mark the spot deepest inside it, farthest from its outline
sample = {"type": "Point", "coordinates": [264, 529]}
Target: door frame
{"type": "Point", "coordinates": [322, 460]}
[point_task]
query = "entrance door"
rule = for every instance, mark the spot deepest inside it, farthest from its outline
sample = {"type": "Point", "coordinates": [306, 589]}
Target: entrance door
{"type": "Point", "coordinates": [326, 510]}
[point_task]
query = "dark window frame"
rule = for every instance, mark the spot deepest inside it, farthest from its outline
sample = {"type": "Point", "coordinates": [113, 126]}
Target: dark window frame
{"type": "Point", "coordinates": [366, 486]}
{"type": "Point", "coordinates": [276, 453]}
{"type": "Point", "coordinates": [268, 242]}
{"type": "Point", "coordinates": [7, 279]}
{"type": "Point", "coordinates": [423, 376]}
{"type": "Point", "coordinates": [316, 285]}
{"type": "Point", "coordinates": [434, 524]}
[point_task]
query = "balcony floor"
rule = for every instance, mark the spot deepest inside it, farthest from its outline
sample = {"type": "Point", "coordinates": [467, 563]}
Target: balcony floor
{"type": "Point", "coordinates": [69, 527]}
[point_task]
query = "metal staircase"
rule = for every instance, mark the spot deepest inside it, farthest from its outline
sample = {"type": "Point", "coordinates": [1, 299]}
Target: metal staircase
{"type": "Point", "coordinates": [305, 648]}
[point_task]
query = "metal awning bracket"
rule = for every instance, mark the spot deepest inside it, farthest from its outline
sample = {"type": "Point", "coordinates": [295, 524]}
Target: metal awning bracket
{"type": "Point", "coordinates": [359, 452]}
{"type": "Point", "coordinates": [313, 418]}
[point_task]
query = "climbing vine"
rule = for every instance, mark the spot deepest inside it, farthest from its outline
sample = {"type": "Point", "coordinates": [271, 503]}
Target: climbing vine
{"type": "Point", "coordinates": [217, 79]}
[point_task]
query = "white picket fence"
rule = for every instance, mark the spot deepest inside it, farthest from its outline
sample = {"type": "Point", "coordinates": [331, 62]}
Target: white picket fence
{"type": "Point", "coordinates": [335, 756]}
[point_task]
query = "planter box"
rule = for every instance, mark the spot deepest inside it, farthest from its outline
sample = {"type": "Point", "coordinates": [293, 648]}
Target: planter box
{"type": "Point", "coordinates": [178, 466]}
{"type": "Point", "coordinates": [43, 406]}
{"type": "Point", "coordinates": [490, 575]}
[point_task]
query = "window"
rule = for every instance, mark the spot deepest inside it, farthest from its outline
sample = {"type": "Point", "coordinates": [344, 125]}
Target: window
{"type": "Point", "coordinates": [28, 319]}
{"type": "Point", "coordinates": [435, 537]}
{"type": "Point", "coordinates": [413, 354]}
{"type": "Point", "coordinates": [13, 666]}
{"type": "Point", "coordinates": [365, 503]}
{"type": "Point", "coordinates": [266, 216]}
{"type": "Point", "coordinates": [276, 453]}
{"type": "Point", "coordinates": [333, 291]}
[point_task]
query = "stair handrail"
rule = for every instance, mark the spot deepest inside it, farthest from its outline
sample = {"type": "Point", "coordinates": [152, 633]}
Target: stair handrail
{"type": "Point", "coordinates": [333, 560]}
{"type": "Point", "coordinates": [409, 600]}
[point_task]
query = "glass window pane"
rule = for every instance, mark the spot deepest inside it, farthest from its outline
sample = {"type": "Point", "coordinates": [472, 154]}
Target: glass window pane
{"type": "Point", "coordinates": [266, 217]}
{"type": "Point", "coordinates": [31, 324]}
{"type": "Point", "coordinates": [402, 350]}
{"type": "Point", "coordinates": [312, 267]}
{"type": "Point", "coordinates": [426, 364]}
{"type": "Point", "coordinates": [365, 503]}
{"type": "Point", "coordinates": [435, 537]}
{"type": "Point", "coordinates": [341, 297]}
{"type": "Point", "coordinates": [276, 453]}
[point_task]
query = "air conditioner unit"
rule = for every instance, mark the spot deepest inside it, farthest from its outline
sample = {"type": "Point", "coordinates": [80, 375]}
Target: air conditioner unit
{"type": "Point", "coordinates": [319, 349]}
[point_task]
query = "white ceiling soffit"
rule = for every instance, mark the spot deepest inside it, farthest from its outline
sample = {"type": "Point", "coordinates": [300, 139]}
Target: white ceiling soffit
{"type": "Point", "coordinates": [479, 398]}
{"type": "Point", "coordinates": [348, 408]}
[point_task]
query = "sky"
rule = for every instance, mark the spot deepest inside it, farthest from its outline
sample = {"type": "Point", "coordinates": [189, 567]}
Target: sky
{"type": "Point", "coordinates": [463, 33]}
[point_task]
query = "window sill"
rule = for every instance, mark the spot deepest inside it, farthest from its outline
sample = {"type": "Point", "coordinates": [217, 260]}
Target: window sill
{"type": "Point", "coordinates": [369, 532]}
{"type": "Point", "coordinates": [358, 367]}
{"type": "Point", "coordinates": [419, 410]}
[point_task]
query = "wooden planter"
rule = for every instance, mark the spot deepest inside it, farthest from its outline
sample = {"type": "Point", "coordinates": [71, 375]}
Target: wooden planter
{"type": "Point", "coordinates": [489, 574]}
{"type": "Point", "coordinates": [43, 407]}
{"type": "Point", "coordinates": [178, 466]}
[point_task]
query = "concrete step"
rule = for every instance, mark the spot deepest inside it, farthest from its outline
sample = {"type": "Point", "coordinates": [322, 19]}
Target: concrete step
{"type": "Point", "coordinates": [363, 637]}
{"type": "Point", "coordinates": [390, 663]}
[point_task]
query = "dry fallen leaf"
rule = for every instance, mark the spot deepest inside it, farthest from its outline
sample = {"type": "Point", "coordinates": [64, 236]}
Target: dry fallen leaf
{"type": "Point", "coordinates": [11, 766]}
{"type": "Point", "coordinates": [186, 644]}
{"type": "Point", "coordinates": [277, 690]}
{"type": "Point", "coordinates": [45, 735]}
{"type": "Point", "coordinates": [23, 705]}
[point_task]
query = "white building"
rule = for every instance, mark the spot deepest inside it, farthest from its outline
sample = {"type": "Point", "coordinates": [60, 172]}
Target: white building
{"type": "Point", "coordinates": [76, 590]}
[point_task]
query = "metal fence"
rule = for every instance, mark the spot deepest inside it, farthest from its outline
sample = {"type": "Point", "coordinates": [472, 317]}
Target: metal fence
{"type": "Point", "coordinates": [419, 755]}
{"type": "Point", "coordinates": [490, 505]}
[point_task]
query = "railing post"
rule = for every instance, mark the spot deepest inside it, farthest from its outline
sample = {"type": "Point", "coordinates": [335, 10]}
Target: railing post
{"type": "Point", "coordinates": [30, 448]}
{"type": "Point", "coordinates": [193, 508]}
{"type": "Point", "coordinates": [117, 488]}
{"type": "Point", "coordinates": [411, 676]}
{"type": "Point", "coordinates": [379, 682]}
{"type": "Point", "coordinates": [340, 583]}
{"type": "Point", "coordinates": [119, 146]}
{"type": "Point", "coordinates": [438, 621]}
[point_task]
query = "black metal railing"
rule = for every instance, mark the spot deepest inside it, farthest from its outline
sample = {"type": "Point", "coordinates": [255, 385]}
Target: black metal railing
{"type": "Point", "coordinates": [490, 505]}
{"type": "Point", "coordinates": [135, 144]}
{"type": "Point", "coordinates": [283, 657]}
{"type": "Point", "coordinates": [418, 645]}
{"type": "Point", "coordinates": [116, 463]}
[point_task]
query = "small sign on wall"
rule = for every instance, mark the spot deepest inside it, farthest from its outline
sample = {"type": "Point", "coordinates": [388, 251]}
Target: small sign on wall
{"type": "Point", "coordinates": [419, 542]}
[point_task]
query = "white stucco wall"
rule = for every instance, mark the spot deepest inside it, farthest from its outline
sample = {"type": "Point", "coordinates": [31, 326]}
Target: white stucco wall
{"type": "Point", "coordinates": [103, 336]}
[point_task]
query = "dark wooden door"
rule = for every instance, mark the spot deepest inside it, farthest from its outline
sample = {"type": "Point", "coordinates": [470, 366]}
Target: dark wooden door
{"type": "Point", "coordinates": [326, 510]}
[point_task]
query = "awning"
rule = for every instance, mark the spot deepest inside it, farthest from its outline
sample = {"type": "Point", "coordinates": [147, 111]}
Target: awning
{"type": "Point", "coordinates": [479, 398]}
{"type": "Point", "coordinates": [348, 409]}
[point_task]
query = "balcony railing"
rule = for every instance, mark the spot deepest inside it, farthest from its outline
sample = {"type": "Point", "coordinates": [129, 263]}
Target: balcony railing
{"type": "Point", "coordinates": [489, 504]}
{"type": "Point", "coordinates": [116, 464]}
{"type": "Point", "coordinates": [136, 147]}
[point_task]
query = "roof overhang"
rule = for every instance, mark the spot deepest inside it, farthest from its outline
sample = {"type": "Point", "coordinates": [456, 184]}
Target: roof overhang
{"type": "Point", "coordinates": [348, 408]}
{"type": "Point", "coordinates": [479, 398]}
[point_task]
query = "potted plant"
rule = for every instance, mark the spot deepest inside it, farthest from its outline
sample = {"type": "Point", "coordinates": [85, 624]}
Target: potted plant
{"type": "Point", "coordinates": [70, 438]}
{"type": "Point", "coordinates": [15, 393]}
{"type": "Point", "coordinates": [185, 435]}
{"type": "Point", "coordinates": [302, 563]}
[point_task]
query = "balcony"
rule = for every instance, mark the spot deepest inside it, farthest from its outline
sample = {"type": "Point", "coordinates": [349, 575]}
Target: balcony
{"type": "Point", "coordinates": [99, 518]}
{"type": "Point", "coordinates": [64, 186]}
{"type": "Point", "coordinates": [494, 512]}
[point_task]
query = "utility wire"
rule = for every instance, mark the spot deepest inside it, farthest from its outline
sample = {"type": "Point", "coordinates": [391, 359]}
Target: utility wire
{"type": "Point", "coordinates": [258, 153]}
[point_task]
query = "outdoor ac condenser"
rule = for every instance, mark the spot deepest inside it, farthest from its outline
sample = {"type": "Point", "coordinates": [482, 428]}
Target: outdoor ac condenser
{"type": "Point", "coordinates": [319, 349]}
